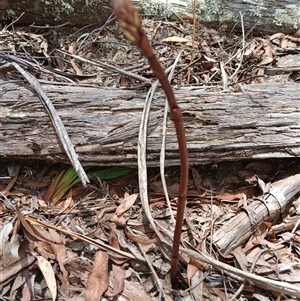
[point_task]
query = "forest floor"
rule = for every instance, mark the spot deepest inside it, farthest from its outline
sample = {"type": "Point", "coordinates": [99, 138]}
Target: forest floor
{"type": "Point", "coordinates": [60, 240]}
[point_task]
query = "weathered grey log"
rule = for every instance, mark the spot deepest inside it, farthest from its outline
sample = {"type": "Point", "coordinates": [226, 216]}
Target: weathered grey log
{"type": "Point", "coordinates": [267, 208]}
{"type": "Point", "coordinates": [103, 124]}
{"type": "Point", "coordinates": [266, 16]}
{"type": "Point", "coordinates": [40, 12]}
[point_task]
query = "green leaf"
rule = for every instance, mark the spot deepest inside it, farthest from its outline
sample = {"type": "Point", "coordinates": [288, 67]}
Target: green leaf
{"type": "Point", "coordinates": [67, 178]}
{"type": "Point", "coordinates": [110, 173]}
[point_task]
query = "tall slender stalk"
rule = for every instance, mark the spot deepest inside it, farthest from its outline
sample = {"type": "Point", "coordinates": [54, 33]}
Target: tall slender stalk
{"type": "Point", "coordinates": [130, 21]}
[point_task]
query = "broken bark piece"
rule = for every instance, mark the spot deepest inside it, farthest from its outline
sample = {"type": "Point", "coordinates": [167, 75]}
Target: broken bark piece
{"type": "Point", "coordinates": [267, 208]}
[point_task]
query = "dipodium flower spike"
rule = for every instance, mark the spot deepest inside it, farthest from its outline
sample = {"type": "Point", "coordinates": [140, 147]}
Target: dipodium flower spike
{"type": "Point", "coordinates": [130, 21]}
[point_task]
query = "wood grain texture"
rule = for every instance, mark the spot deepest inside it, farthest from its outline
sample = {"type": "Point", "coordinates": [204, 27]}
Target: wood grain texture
{"type": "Point", "coordinates": [269, 207]}
{"type": "Point", "coordinates": [103, 124]}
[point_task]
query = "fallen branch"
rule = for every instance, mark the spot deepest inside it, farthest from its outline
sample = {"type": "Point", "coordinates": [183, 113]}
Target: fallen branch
{"type": "Point", "coordinates": [267, 208]}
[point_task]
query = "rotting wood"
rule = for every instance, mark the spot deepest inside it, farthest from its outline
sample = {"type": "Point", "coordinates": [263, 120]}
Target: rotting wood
{"type": "Point", "coordinates": [267, 208]}
{"type": "Point", "coordinates": [103, 124]}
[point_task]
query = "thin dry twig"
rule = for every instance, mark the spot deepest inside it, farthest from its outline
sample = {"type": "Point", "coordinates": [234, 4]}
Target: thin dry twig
{"type": "Point", "coordinates": [36, 67]}
{"type": "Point", "coordinates": [162, 295]}
{"type": "Point", "coordinates": [109, 67]}
{"type": "Point", "coordinates": [163, 144]}
{"type": "Point", "coordinates": [235, 55]}
{"type": "Point", "coordinates": [242, 50]}
{"type": "Point", "coordinates": [142, 162]}
{"type": "Point", "coordinates": [265, 283]}
{"type": "Point", "coordinates": [98, 30]}
{"type": "Point", "coordinates": [80, 237]}
{"type": "Point", "coordinates": [193, 41]}
{"type": "Point", "coordinates": [224, 76]}
{"type": "Point", "coordinates": [56, 121]}
{"type": "Point", "coordinates": [235, 295]}
{"type": "Point", "coordinates": [12, 23]}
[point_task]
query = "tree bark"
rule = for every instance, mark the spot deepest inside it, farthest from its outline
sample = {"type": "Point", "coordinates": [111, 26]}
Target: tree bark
{"type": "Point", "coordinates": [265, 16]}
{"type": "Point", "coordinates": [103, 124]}
{"type": "Point", "coordinates": [269, 207]}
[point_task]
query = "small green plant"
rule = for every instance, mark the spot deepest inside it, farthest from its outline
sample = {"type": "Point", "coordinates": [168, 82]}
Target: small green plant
{"type": "Point", "coordinates": [130, 21]}
{"type": "Point", "coordinates": [67, 178]}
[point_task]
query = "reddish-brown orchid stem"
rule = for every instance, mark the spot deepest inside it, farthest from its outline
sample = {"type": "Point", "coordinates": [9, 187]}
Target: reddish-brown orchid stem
{"type": "Point", "coordinates": [176, 116]}
{"type": "Point", "coordinates": [132, 25]}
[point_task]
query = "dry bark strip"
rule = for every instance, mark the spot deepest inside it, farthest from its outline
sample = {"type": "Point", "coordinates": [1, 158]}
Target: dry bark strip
{"type": "Point", "coordinates": [270, 207]}
{"type": "Point", "coordinates": [103, 124]}
{"type": "Point", "coordinates": [271, 285]}
{"type": "Point", "coordinates": [265, 16]}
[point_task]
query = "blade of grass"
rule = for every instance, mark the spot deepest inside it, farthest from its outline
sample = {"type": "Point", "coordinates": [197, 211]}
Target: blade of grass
{"type": "Point", "coordinates": [67, 178]}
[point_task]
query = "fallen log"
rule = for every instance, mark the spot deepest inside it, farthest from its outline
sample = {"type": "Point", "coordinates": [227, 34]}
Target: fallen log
{"type": "Point", "coordinates": [264, 17]}
{"type": "Point", "coordinates": [103, 124]}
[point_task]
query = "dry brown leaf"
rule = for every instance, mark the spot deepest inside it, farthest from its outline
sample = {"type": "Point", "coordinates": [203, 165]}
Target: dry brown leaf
{"type": "Point", "coordinates": [284, 43]}
{"type": "Point", "coordinates": [43, 248]}
{"type": "Point", "coordinates": [9, 244]}
{"type": "Point", "coordinates": [230, 196]}
{"type": "Point", "coordinates": [240, 258]}
{"type": "Point", "coordinates": [114, 242]}
{"type": "Point", "coordinates": [140, 237]}
{"type": "Point", "coordinates": [116, 282]}
{"type": "Point", "coordinates": [126, 203]}
{"type": "Point", "coordinates": [261, 78]}
{"type": "Point", "coordinates": [61, 257]}
{"type": "Point", "coordinates": [12, 270]}
{"type": "Point", "coordinates": [97, 281]}
{"type": "Point", "coordinates": [211, 99]}
{"type": "Point", "coordinates": [191, 271]}
{"type": "Point", "coordinates": [3, 210]}
{"type": "Point", "coordinates": [269, 50]}
{"type": "Point", "coordinates": [296, 238]}
{"type": "Point", "coordinates": [31, 232]}
{"type": "Point", "coordinates": [75, 67]}
{"type": "Point", "coordinates": [113, 239]}
{"type": "Point", "coordinates": [26, 292]}
{"type": "Point", "coordinates": [258, 238]}
{"type": "Point", "coordinates": [207, 65]}
{"type": "Point", "coordinates": [218, 292]}
{"type": "Point", "coordinates": [66, 203]}
{"type": "Point", "coordinates": [175, 40]}
{"type": "Point", "coordinates": [133, 291]}
{"type": "Point", "coordinates": [79, 268]}
{"type": "Point", "coordinates": [9, 186]}
{"type": "Point", "coordinates": [48, 274]}
{"type": "Point", "coordinates": [72, 48]}
{"type": "Point", "coordinates": [276, 36]}
{"type": "Point", "coordinates": [265, 61]}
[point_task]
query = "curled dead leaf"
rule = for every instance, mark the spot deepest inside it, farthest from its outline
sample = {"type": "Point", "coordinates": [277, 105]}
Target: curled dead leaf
{"type": "Point", "coordinates": [175, 39]}
{"type": "Point", "coordinates": [97, 282]}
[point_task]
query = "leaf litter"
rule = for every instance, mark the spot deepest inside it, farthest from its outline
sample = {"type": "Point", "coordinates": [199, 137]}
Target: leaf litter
{"type": "Point", "coordinates": [95, 242]}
